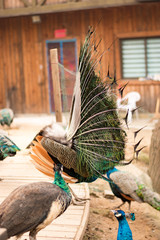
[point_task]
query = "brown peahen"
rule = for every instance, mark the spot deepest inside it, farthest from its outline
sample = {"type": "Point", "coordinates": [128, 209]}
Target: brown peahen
{"type": "Point", "coordinates": [94, 140]}
{"type": "Point", "coordinates": [33, 206]}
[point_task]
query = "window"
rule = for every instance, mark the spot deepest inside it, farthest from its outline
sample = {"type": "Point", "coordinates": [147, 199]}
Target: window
{"type": "Point", "coordinates": [140, 57]}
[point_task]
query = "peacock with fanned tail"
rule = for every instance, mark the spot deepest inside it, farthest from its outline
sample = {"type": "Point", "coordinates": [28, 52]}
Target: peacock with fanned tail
{"type": "Point", "coordinates": [94, 140]}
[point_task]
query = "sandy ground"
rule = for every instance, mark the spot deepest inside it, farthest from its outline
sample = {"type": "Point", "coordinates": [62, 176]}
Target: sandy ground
{"type": "Point", "coordinates": [102, 224]}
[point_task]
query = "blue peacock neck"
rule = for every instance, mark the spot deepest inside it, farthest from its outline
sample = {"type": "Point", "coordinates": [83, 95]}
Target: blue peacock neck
{"type": "Point", "coordinates": [112, 170]}
{"type": "Point", "coordinates": [59, 181]}
{"type": "Point", "coordinates": [124, 231]}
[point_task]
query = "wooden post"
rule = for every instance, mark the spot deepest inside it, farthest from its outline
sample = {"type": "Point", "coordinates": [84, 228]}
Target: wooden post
{"type": "Point", "coordinates": [157, 113]}
{"type": "Point", "coordinates": [1, 4]}
{"type": "Point", "coordinates": [56, 84]}
{"type": "Point", "coordinates": [3, 234]}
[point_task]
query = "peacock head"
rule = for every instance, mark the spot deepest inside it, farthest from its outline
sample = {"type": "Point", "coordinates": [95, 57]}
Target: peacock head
{"type": "Point", "coordinates": [119, 214]}
{"type": "Point", "coordinates": [58, 168]}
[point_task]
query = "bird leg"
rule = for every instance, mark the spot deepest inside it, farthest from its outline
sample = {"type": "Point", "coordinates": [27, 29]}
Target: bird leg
{"type": "Point", "coordinates": [77, 200]}
{"type": "Point", "coordinates": [32, 238]}
{"type": "Point", "coordinates": [18, 236]}
{"type": "Point", "coordinates": [119, 205]}
{"type": "Point", "coordinates": [32, 235]}
{"type": "Point", "coordinates": [129, 206]}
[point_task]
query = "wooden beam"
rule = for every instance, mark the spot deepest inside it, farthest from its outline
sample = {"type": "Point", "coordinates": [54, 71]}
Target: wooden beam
{"type": "Point", "coordinates": [34, 3]}
{"type": "Point", "coordinates": [1, 4]}
{"type": "Point", "coordinates": [25, 2]}
{"type": "Point", "coordinates": [63, 7]}
{"type": "Point", "coordinates": [56, 84]}
{"type": "Point", "coordinates": [136, 34]}
{"type": "Point", "coordinates": [3, 234]}
{"type": "Point", "coordinates": [157, 113]}
{"type": "Point", "coordinates": [41, 2]}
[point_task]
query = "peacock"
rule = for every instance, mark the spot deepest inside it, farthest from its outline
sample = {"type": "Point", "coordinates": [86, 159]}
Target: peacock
{"type": "Point", "coordinates": [126, 187]}
{"type": "Point", "coordinates": [124, 231]}
{"type": "Point", "coordinates": [6, 116]}
{"type": "Point", "coordinates": [7, 147]}
{"type": "Point", "coordinates": [33, 206]}
{"type": "Point", "coordinates": [94, 140]}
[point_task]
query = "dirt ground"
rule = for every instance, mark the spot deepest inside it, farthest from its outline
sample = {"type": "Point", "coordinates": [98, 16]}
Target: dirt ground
{"type": "Point", "coordinates": [102, 224]}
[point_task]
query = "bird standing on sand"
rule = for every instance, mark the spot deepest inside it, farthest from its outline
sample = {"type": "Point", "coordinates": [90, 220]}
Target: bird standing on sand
{"type": "Point", "coordinates": [126, 187]}
{"type": "Point", "coordinates": [34, 206]}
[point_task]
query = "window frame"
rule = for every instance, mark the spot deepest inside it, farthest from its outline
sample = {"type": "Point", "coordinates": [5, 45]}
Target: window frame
{"type": "Point", "coordinates": [131, 35]}
{"type": "Point", "coordinates": [145, 53]}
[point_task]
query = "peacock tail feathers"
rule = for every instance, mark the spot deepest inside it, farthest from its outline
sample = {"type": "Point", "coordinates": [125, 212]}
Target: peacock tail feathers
{"type": "Point", "coordinates": [99, 140]}
{"type": "Point", "coordinates": [7, 147]}
{"type": "Point", "coordinates": [148, 196]}
{"type": "Point", "coordinates": [44, 162]}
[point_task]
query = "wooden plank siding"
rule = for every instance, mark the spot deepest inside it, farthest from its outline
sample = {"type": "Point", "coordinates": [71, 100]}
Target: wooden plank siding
{"type": "Point", "coordinates": [23, 62]}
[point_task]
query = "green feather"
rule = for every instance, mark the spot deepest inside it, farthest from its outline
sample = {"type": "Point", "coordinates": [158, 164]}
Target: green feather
{"type": "Point", "coordinates": [59, 181]}
{"type": "Point", "coordinates": [6, 116]}
{"type": "Point", "coordinates": [99, 140]}
{"type": "Point", "coordinates": [7, 147]}
{"type": "Point", "coordinates": [148, 196]}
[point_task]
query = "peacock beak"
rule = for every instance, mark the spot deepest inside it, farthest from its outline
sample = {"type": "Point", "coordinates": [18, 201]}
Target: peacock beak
{"type": "Point", "coordinates": [116, 213]}
{"type": "Point", "coordinates": [61, 169]}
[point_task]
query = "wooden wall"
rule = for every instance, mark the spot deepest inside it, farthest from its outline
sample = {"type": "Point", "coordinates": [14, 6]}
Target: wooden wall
{"type": "Point", "coordinates": [23, 63]}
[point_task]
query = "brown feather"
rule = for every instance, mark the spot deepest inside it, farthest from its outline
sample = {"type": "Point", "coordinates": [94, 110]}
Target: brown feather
{"type": "Point", "coordinates": [127, 197]}
{"type": "Point", "coordinates": [44, 163]}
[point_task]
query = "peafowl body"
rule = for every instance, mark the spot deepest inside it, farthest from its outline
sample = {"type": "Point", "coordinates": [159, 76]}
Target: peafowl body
{"type": "Point", "coordinates": [7, 147]}
{"type": "Point", "coordinates": [128, 188]}
{"type": "Point", "coordinates": [34, 206]}
{"type": "Point", "coordinates": [124, 231]}
{"type": "Point", "coordinates": [94, 140]}
{"type": "Point", "coordinates": [6, 116]}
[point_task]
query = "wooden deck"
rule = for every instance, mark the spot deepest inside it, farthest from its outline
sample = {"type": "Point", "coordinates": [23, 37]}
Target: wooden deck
{"type": "Point", "coordinates": [19, 170]}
